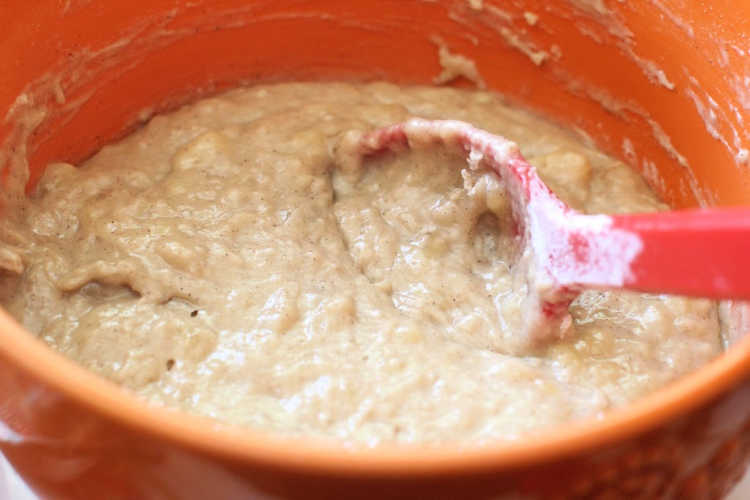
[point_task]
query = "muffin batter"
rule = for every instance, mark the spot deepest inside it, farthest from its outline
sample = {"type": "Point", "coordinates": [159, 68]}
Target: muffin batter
{"type": "Point", "coordinates": [226, 260]}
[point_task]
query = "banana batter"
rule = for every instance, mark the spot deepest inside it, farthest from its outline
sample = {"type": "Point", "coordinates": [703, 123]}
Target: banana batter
{"type": "Point", "coordinates": [221, 261]}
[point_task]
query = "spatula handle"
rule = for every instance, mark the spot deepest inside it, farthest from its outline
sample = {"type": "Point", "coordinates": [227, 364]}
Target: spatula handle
{"type": "Point", "coordinates": [702, 252]}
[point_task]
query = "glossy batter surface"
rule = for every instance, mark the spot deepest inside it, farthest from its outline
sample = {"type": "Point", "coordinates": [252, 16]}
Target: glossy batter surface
{"type": "Point", "coordinates": [222, 260]}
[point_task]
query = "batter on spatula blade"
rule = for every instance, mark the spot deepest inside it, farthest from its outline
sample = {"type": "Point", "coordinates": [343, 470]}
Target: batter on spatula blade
{"type": "Point", "coordinates": [542, 313]}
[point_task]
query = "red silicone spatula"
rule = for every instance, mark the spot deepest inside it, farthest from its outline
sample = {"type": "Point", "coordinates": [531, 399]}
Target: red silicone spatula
{"type": "Point", "coordinates": [703, 252]}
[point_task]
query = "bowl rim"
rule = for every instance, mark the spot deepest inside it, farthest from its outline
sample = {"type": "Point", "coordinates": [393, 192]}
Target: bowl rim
{"type": "Point", "coordinates": [317, 456]}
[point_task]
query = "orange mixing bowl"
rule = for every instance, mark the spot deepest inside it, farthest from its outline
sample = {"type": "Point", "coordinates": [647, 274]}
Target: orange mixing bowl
{"type": "Point", "coordinates": [664, 84]}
